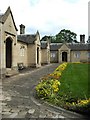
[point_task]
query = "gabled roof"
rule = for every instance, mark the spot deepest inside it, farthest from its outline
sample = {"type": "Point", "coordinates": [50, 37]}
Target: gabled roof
{"type": "Point", "coordinates": [1, 17]}
{"type": "Point", "coordinates": [28, 39]}
{"type": "Point", "coordinates": [55, 46]}
{"type": "Point", "coordinates": [72, 46]}
{"type": "Point", "coordinates": [44, 44]}
{"type": "Point", "coordinates": [5, 15]}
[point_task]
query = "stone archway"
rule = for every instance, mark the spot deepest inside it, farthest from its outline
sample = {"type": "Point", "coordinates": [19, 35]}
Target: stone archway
{"type": "Point", "coordinates": [8, 53]}
{"type": "Point", "coordinates": [64, 56]}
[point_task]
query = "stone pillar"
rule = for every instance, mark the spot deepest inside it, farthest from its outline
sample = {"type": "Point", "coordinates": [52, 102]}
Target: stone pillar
{"type": "Point", "coordinates": [69, 56]}
{"type": "Point", "coordinates": [59, 56]}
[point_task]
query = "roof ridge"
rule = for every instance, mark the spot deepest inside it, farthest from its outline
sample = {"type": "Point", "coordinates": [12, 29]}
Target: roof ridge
{"type": "Point", "coordinates": [5, 15]}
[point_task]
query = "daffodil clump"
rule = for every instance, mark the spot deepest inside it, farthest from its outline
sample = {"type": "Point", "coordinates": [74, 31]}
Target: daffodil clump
{"type": "Point", "coordinates": [80, 102]}
{"type": "Point", "coordinates": [81, 106]}
{"type": "Point", "coordinates": [61, 67]}
{"type": "Point", "coordinates": [84, 102]}
{"type": "Point", "coordinates": [47, 88]}
{"type": "Point", "coordinates": [58, 71]}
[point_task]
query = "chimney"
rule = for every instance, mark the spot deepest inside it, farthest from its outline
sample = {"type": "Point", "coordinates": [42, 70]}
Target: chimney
{"type": "Point", "coordinates": [82, 38]}
{"type": "Point", "coordinates": [22, 29]}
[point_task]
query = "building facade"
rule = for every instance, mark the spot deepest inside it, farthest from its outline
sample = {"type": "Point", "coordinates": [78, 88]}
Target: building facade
{"type": "Point", "coordinates": [8, 41]}
{"type": "Point", "coordinates": [70, 52]}
{"type": "Point", "coordinates": [17, 49]}
{"type": "Point", "coordinates": [29, 49]}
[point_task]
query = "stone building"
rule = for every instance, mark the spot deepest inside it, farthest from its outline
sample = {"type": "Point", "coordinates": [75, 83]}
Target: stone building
{"type": "Point", "coordinates": [29, 49]}
{"type": "Point", "coordinates": [17, 49]}
{"type": "Point", "coordinates": [8, 42]}
{"type": "Point", "coordinates": [26, 50]}
{"type": "Point", "coordinates": [70, 52]}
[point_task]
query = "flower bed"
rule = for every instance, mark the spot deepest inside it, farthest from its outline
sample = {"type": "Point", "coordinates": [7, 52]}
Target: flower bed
{"type": "Point", "coordinates": [49, 85]}
{"type": "Point", "coordinates": [81, 106]}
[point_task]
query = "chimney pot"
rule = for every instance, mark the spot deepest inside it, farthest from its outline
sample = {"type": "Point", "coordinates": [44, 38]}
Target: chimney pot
{"type": "Point", "coordinates": [22, 29]}
{"type": "Point", "coordinates": [82, 38]}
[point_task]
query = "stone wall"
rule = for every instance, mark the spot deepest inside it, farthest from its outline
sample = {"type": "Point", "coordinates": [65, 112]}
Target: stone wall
{"type": "Point", "coordinates": [54, 56]}
{"type": "Point", "coordinates": [45, 56]}
{"type": "Point", "coordinates": [22, 53]}
{"type": "Point", "coordinates": [81, 57]}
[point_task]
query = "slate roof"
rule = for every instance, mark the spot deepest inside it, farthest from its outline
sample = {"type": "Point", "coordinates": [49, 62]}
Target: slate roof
{"type": "Point", "coordinates": [55, 46]}
{"type": "Point", "coordinates": [79, 46]}
{"type": "Point", "coordinates": [72, 46]}
{"type": "Point", "coordinates": [5, 15]}
{"type": "Point", "coordinates": [28, 39]}
{"type": "Point", "coordinates": [43, 44]}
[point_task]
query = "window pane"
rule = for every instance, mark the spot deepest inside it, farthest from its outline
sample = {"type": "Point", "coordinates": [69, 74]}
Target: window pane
{"type": "Point", "coordinates": [77, 54]}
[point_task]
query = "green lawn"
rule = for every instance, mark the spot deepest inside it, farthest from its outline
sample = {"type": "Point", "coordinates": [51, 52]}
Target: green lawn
{"type": "Point", "coordinates": [75, 82]}
{"type": "Point", "coordinates": [73, 92]}
{"type": "Point", "coordinates": [74, 87]}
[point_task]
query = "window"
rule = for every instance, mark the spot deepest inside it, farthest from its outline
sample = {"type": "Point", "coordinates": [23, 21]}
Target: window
{"type": "Point", "coordinates": [88, 54]}
{"type": "Point", "coordinates": [53, 55]}
{"type": "Point", "coordinates": [22, 51]}
{"type": "Point", "coordinates": [77, 54]}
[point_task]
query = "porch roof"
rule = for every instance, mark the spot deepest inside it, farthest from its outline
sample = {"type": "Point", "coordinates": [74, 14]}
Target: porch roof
{"type": "Point", "coordinates": [55, 46]}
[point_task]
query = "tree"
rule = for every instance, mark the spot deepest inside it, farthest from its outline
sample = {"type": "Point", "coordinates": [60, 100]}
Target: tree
{"type": "Point", "coordinates": [62, 36]}
{"type": "Point", "coordinates": [66, 36]}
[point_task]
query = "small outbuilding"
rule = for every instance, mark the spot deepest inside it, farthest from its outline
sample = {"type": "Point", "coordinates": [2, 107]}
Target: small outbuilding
{"type": "Point", "coordinates": [29, 49]}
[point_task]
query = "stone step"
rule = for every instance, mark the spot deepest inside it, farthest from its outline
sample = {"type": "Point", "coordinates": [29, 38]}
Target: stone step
{"type": "Point", "coordinates": [11, 72]}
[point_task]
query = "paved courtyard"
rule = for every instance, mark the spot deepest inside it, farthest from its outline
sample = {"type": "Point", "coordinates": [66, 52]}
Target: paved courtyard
{"type": "Point", "coordinates": [18, 100]}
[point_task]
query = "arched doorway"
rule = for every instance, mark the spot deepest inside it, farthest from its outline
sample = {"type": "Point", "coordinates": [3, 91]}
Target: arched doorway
{"type": "Point", "coordinates": [37, 55]}
{"type": "Point", "coordinates": [64, 56]}
{"type": "Point", "coordinates": [8, 53]}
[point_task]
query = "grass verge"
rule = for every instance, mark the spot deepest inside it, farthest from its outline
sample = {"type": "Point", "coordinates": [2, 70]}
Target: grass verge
{"type": "Point", "coordinates": [73, 93]}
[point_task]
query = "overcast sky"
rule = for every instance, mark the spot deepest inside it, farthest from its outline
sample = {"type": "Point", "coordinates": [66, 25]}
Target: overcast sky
{"type": "Point", "coordinates": [49, 16]}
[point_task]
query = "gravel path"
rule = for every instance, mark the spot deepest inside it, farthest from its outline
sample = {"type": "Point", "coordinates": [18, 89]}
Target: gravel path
{"type": "Point", "coordinates": [18, 100]}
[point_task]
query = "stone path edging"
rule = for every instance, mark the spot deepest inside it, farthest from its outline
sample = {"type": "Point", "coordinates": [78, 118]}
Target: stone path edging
{"type": "Point", "coordinates": [59, 109]}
